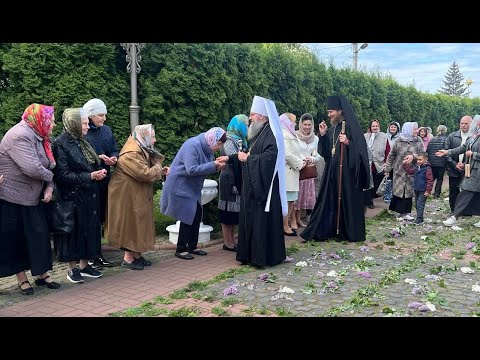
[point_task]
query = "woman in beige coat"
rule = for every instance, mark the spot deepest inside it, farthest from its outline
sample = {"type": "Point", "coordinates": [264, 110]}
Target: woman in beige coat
{"type": "Point", "coordinates": [130, 224]}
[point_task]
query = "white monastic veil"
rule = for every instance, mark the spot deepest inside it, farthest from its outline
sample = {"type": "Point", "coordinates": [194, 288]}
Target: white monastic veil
{"type": "Point", "coordinates": [280, 163]}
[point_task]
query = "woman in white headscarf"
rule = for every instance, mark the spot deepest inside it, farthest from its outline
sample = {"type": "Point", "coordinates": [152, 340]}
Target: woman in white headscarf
{"type": "Point", "coordinates": [407, 144]}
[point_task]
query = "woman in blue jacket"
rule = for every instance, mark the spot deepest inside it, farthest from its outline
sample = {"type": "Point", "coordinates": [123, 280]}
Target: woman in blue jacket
{"type": "Point", "coordinates": [182, 191]}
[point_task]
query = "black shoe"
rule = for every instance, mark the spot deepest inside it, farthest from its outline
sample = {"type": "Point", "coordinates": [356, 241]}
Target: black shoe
{"type": "Point", "coordinates": [88, 271]}
{"type": "Point", "coordinates": [371, 206]}
{"type": "Point", "coordinates": [185, 257]}
{"type": "Point", "coordinates": [143, 261]}
{"type": "Point", "coordinates": [134, 265]}
{"type": "Point", "coordinates": [293, 233]}
{"type": "Point", "coordinates": [198, 252]}
{"type": "Point", "coordinates": [234, 249]}
{"type": "Point", "coordinates": [101, 261]}
{"type": "Point", "coordinates": [27, 291]}
{"type": "Point", "coordinates": [50, 285]}
{"type": "Point", "coordinates": [74, 276]}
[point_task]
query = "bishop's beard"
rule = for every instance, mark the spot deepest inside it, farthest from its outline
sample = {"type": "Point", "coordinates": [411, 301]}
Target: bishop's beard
{"type": "Point", "coordinates": [254, 128]}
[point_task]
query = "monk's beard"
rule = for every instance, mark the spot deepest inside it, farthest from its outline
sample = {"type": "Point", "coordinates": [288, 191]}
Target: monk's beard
{"type": "Point", "coordinates": [254, 128]}
{"type": "Point", "coordinates": [334, 121]}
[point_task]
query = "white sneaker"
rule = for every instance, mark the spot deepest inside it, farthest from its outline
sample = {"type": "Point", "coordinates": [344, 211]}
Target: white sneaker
{"type": "Point", "coordinates": [408, 217]}
{"type": "Point", "coordinates": [477, 224]}
{"type": "Point", "coordinates": [450, 221]}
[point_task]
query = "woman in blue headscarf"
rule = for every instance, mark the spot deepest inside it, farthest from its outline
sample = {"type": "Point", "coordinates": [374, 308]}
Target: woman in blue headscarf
{"type": "Point", "coordinates": [231, 180]}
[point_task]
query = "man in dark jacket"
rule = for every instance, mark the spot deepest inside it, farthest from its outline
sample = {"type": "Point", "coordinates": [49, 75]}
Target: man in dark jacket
{"type": "Point", "coordinates": [455, 166]}
{"type": "Point", "coordinates": [437, 162]}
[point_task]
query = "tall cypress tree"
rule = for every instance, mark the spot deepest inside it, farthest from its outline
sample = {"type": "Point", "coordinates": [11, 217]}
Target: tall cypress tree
{"type": "Point", "coordinates": [453, 83]}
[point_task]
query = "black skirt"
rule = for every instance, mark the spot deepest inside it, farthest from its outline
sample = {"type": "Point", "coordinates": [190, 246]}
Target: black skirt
{"type": "Point", "coordinates": [228, 218]}
{"type": "Point", "coordinates": [401, 205]}
{"type": "Point", "coordinates": [24, 241]}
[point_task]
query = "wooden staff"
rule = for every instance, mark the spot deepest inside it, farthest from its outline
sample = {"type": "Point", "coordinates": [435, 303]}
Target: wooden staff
{"type": "Point", "coordinates": [340, 168]}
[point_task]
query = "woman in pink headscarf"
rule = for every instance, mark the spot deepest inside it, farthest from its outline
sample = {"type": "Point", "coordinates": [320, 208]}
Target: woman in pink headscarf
{"type": "Point", "coordinates": [26, 162]}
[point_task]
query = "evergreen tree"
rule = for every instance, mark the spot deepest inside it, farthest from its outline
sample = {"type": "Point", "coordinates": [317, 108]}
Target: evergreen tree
{"type": "Point", "coordinates": [453, 83]}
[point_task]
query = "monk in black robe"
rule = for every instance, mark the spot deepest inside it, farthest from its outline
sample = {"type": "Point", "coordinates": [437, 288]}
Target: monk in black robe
{"type": "Point", "coordinates": [355, 177]}
{"type": "Point", "coordinates": [261, 240]}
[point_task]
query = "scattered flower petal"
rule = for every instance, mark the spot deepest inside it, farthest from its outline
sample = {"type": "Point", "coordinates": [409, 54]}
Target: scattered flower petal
{"type": "Point", "coordinates": [476, 288]}
{"type": "Point", "coordinates": [415, 305]}
{"type": "Point", "coordinates": [332, 273]}
{"type": "Point", "coordinates": [364, 274]}
{"type": "Point", "coordinates": [423, 308]}
{"type": "Point", "coordinates": [430, 306]}
{"type": "Point", "coordinates": [433, 277]}
{"type": "Point", "coordinates": [411, 281]}
{"type": "Point", "coordinates": [231, 290]}
{"type": "Point", "coordinates": [286, 290]}
{"type": "Point", "coordinates": [301, 264]}
{"type": "Point", "coordinates": [470, 245]}
{"type": "Point", "coordinates": [363, 248]}
{"type": "Point", "coordinates": [466, 270]}
{"type": "Point", "coordinates": [263, 276]}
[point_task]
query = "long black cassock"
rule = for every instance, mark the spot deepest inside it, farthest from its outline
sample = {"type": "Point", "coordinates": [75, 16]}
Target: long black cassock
{"type": "Point", "coordinates": [355, 177]}
{"type": "Point", "coordinates": [260, 239]}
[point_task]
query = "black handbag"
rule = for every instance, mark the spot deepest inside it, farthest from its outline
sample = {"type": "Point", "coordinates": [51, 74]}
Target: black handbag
{"type": "Point", "coordinates": [60, 216]}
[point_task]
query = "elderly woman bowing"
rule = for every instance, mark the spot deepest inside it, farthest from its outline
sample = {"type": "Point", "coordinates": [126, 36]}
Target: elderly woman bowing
{"type": "Point", "coordinates": [130, 224]}
{"type": "Point", "coordinates": [182, 190]}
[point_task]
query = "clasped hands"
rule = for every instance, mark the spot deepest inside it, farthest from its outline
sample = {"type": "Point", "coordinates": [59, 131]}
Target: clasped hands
{"type": "Point", "coordinates": [221, 162]}
{"type": "Point", "coordinates": [98, 175]}
{"type": "Point", "coordinates": [108, 160]}
{"type": "Point", "coordinates": [307, 161]}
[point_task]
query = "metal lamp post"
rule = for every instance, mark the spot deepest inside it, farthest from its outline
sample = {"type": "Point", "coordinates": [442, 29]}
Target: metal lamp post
{"type": "Point", "coordinates": [133, 62]}
{"type": "Point", "coordinates": [355, 53]}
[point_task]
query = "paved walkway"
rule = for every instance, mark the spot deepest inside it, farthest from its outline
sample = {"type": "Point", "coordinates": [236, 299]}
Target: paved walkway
{"type": "Point", "coordinates": [385, 276]}
{"type": "Point", "coordinates": [120, 289]}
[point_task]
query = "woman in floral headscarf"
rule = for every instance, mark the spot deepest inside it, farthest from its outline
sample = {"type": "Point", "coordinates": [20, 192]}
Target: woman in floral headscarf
{"type": "Point", "coordinates": [130, 224]}
{"type": "Point", "coordinates": [182, 191]}
{"type": "Point", "coordinates": [26, 162]}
